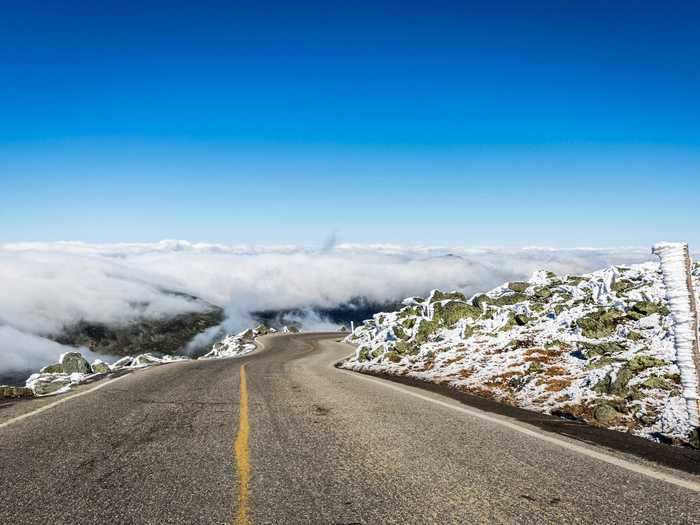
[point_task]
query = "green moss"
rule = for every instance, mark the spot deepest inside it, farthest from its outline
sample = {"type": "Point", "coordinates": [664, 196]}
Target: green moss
{"type": "Point", "coordinates": [642, 362]}
{"type": "Point", "coordinates": [469, 331]}
{"type": "Point", "coordinates": [399, 332]}
{"type": "Point", "coordinates": [363, 355]}
{"type": "Point", "coordinates": [409, 311]}
{"type": "Point", "coordinates": [56, 368]}
{"type": "Point", "coordinates": [15, 392]}
{"type": "Point", "coordinates": [518, 286]}
{"type": "Point", "coordinates": [425, 329]}
{"type": "Point", "coordinates": [510, 323]}
{"type": "Point", "coordinates": [673, 378]}
{"type": "Point", "coordinates": [555, 344]}
{"type": "Point", "coordinates": [601, 349]}
{"type": "Point", "coordinates": [406, 348]}
{"type": "Point", "coordinates": [452, 312]}
{"type": "Point", "coordinates": [480, 300]}
{"type": "Point", "coordinates": [443, 296]}
{"type": "Point", "coordinates": [542, 293]}
{"type": "Point", "coordinates": [605, 414]}
{"type": "Point", "coordinates": [509, 299]}
{"type": "Point", "coordinates": [656, 382]}
{"type": "Point", "coordinates": [634, 336]}
{"type": "Point", "coordinates": [535, 368]}
{"type": "Point", "coordinates": [564, 295]}
{"type": "Point", "coordinates": [621, 286]}
{"type": "Point", "coordinates": [409, 323]}
{"type": "Point", "coordinates": [646, 308]}
{"type": "Point", "coordinates": [393, 357]}
{"type": "Point", "coordinates": [522, 320]}
{"type": "Point", "coordinates": [617, 386]}
{"type": "Point", "coordinates": [601, 323]}
{"type": "Point", "coordinates": [559, 308]}
{"type": "Point", "coordinates": [537, 307]}
{"type": "Point", "coordinates": [600, 363]}
{"type": "Point", "coordinates": [489, 313]}
{"type": "Point", "coordinates": [574, 280]}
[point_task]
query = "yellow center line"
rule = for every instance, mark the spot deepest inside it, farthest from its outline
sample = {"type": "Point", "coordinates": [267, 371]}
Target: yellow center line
{"type": "Point", "coordinates": [242, 455]}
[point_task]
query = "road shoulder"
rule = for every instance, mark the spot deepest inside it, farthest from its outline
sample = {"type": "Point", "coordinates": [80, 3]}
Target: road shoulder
{"type": "Point", "coordinates": [682, 460]}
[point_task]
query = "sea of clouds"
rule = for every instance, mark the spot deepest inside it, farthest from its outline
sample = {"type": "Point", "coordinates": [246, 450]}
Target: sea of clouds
{"type": "Point", "coordinates": [46, 286]}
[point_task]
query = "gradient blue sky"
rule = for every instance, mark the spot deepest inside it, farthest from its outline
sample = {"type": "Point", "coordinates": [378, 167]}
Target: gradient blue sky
{"type": "Point", "coordinates": [472, 123]}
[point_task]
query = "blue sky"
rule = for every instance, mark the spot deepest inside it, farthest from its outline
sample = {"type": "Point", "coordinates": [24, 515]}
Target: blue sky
{"type": "Point", "coordinates": [472, 123]}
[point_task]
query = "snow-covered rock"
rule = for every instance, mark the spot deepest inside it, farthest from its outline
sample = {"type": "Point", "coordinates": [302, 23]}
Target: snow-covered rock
{"type": "Point", "coordinates": [74, 363]}
{"type": "Point", "coordinates": [598, 347]}
{"type": "Point", "coordinates": [237, 344]}
{"type": "Point", "coordinates": [73, 369]}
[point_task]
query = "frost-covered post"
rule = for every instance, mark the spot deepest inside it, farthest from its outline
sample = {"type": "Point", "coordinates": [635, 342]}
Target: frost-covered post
{"type": "Point", "coordinates": [676, 268]}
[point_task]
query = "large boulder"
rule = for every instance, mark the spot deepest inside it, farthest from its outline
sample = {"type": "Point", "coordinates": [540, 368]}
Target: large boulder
{"type": "Point", "coordinates": [55, 368]}
{"type": "Point", "coordinates": [100, 367]}
{"type": "Point", "coordinates": [642, 362]}
{"type": "Point", "coordinates": [74, 362]}
{"type": "Point", "coordinates": [437, 295]}
{"type": "Point", "coordinates": [451, 312]}
{"type": "Point", "coordinates": [44, 386]}
{"type": "Point", "coordinates": [518, 286]}
{"type": "Point", "coordinates": [605, 414]}
{"type": "Point", "coordinates": [124, 362]}
{"type": "Point", "coordinates": [247, 335]}
{"type": "Point", "coordinates": [262, 329]}
{"type": "Point", "coordinates": [145, 360]}
{"type": "Point", "coordinates": [600, 323]}
{"type": "Point", "coordinates": [617, 386]}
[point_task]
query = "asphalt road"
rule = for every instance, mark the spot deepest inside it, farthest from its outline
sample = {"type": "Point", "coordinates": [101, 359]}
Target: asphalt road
{"type": "Point", "coordinates": [288, 439]}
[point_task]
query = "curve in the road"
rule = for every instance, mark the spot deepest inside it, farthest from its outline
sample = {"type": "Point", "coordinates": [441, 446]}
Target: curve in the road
{"type": "Point", "coordinates": [287, 438]}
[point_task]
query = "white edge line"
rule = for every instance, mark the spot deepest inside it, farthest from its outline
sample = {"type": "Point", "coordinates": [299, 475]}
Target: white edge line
{"type": "Point", "coordinates": [622, 463]}
{"type": "Point", "coordinates": [102, 384]}
{"type": "Point", "coordinates": [260, 346]}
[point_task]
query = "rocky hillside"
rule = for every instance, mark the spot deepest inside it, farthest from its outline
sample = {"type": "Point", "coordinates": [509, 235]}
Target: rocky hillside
{"type": "Point", "coordinates": [596, 347]}
{"type": "Point", "coordinates": [167, 335]}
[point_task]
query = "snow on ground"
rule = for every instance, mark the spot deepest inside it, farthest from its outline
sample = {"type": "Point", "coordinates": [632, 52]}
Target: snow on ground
{"type": "Point", "coordinates": [239, 344]}
{"type": "Point", "coordinates": [73, 369]}
{"type": "Point", "coordinates": [597, 347]}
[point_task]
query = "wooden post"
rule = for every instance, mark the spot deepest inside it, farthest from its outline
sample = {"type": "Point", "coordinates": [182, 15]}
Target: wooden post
{"type": "Point", "coordinates": [694, 316]}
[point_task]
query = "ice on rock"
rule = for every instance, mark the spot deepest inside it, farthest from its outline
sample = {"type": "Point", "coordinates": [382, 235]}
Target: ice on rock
{"type": "Point", "coordinates": [525, 345]}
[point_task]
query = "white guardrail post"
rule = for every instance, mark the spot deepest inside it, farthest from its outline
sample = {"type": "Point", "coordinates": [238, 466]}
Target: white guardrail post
{"type": "Point", "coordinates": [676, 269]}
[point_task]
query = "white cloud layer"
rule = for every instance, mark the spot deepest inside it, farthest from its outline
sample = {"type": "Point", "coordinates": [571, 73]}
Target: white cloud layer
{"type": "Point", "coordinates": [46, 286]}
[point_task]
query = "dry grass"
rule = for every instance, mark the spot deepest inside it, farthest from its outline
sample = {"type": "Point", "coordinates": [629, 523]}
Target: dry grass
{"type": "Point", "coordinates": [501, 381]}
{"type": "Point", "coordinates": [541, 355]}
{"type": "Point", "coordinates": [448, 362]}
{"type": "Point", "coordinates": [479, 391]}
{"type": "Point", "coordinates": [553, 371]}
{"type": "Point", "coordinates": [466, 373]}
{"type": "Point", "coordinates": [557, 385]}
